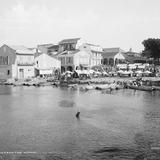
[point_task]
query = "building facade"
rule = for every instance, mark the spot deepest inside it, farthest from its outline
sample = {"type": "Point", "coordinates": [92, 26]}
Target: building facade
{"type": "Point", "coordinates": [46, 64]}
{"type": "Point", "coordinates": [16, 62]}
{"type": "Point", "coordinates": [76, 53]}
{"type": "Point", "coordinates": [111, 56]}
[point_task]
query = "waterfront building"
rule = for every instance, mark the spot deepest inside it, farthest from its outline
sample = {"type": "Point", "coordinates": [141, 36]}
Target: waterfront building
{"type": "Point", "coordinates": [45, 60]}
{"type": "Point", "coordinates": [16, 62]}
{"type": "Point", "coordinates": [111, 55]}
{"type": "Point", "coordinates": [134, 57]}
{"type": "Point", "coordinates": [46, 64]}
{"type": "Point", "coordinates": [77, 54]}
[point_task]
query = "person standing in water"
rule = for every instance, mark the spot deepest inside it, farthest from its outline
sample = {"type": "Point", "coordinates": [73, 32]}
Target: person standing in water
{"type": "Point", "coordinates": [77, 115]}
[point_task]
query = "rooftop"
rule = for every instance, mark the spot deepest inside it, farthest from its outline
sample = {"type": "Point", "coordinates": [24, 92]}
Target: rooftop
{"type": "Point", "coordinates": [21, 49]}
{"type": "Point", "coordinates": [112, 50]}
{"type": "Point", "coordinates": [109, 54]}
{"type": "Point", "coordinates": [92, 45]}
{"type": "Point", "coordinates": [131, 58]}
{"type": "Point", "coordinates": [68, 52]}
{"type": "Point", "coordinates": [45, 45]}
{"type": "Point", "coordinates": [72, 40]}
{"type": "Point", "coordinates": [95, 48]}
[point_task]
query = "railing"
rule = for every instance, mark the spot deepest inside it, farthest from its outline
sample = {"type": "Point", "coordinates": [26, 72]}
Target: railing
{"type": "Point", "coordinates": [25, 63]}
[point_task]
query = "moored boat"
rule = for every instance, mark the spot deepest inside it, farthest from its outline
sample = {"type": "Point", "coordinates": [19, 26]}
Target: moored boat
{"type": "Point", "coordinates": [101, 87]}
{"type": "Point", "coordinates": [90, 87]}
{"type": "Point", "coordinates": [142, 88]}
{"type": "Point", "coordinates": [156, 87]}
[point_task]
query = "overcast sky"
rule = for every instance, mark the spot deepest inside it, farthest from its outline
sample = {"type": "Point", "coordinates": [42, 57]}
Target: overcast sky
{"type": "Point", "coordinates": [109, 23]}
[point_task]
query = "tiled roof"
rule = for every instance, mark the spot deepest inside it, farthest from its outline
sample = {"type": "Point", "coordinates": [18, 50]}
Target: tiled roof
{"type": "Point", "coordinates": [21, 49]}
{"type": "Point", "coordinates": [133, 58]}
{"type": "Point", "coordinates": [53, 45]}
{"type": "Point", "coordinates": [110, 54]}
{"type": "Point", "coordinates": [46, 45]}
{"type": "Point", "coordinates": [96, 51]}
{"type": "Point", "coordinates": [92, 44]}
{"type": "Point", "coordinates": [95, 48]}
{"type": "Point", "coordinates": [53, 56]}
{"type": "Point", "coordinates": [112, 50]}
{"type": "Point", "coordinates": [67, 52]}
{"type": "Point", "coordinates": [72, 40]}
{"type": "Point", "coordinates": [131, 52]}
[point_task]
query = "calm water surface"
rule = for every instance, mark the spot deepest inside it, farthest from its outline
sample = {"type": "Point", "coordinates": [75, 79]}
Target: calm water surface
{"type": "Point", "coordinates": [122, 125]}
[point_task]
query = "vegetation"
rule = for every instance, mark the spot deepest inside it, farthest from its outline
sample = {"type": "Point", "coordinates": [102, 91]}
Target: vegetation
{"type": "Point", "coordinates": [151, 49]}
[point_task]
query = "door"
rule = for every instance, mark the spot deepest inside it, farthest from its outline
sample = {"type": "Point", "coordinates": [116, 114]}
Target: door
{"type": "Point", "coordinates": [21, 73]}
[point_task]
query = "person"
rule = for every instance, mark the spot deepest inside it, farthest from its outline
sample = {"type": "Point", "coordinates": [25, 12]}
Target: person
{"type": "Point", "coordinates": [77, 115]}
{"type": "Point", "coordinates": [110, 89]}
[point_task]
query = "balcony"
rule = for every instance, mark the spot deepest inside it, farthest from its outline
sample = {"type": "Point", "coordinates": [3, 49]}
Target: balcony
{"type": "Point", "coordinates": [25, 63]}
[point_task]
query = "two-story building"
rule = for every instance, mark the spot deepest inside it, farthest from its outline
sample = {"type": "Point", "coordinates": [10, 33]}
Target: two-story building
{"type": "Point", "coordinates": [95, 52]}
{"type": "Point", "coordinates": [76, 53]}
{"type": "Point", "coordinates": [16, 62]}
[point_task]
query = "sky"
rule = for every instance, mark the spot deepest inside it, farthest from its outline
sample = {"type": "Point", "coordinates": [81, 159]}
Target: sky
{"type": "Point", "coordinates": [108, 23]}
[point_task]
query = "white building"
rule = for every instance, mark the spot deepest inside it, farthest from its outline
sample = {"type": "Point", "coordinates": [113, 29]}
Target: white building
{"type": "Point", "coordinates": [75, 53]}
{"type": "Point", "coordinates": [46, 64]}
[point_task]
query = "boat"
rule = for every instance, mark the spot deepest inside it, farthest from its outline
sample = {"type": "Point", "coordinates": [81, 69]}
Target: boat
{"type": "Point", "coordinates": [90, 87]}
{"type": "Point", "coordinates": [114, 86]}
{"type": "Point", "coordinates": [156, 87]}
{"type": "Point", "coordinates": [65, 83]}
{"type": "Point", "coordinates": [86, 88]}
{"type": "Point", "coordinates": [154, 82]}
{"type": "Point", "coordinates": [142, 88]}
{"type": "Point", "coordinates": [101, 87]}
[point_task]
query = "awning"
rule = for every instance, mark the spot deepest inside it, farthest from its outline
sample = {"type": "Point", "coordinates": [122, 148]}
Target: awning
{"type": "Point", "coordinates": [45, 71]}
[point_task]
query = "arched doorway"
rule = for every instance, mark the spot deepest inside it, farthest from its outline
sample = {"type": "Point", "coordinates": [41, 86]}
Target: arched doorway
{"type": "Point", "coordinates": [111, 61]}
{"type": "Point", "coordinates": [77, 67]}
{"type": "Point", "coordinates": [116, 61]}
{"type": "Point", "coordinates": [105, 62]}
{"type": "Point", "coordinates": [70, 68]}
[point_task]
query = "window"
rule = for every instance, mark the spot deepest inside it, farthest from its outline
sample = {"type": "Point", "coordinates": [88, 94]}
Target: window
{"type": "Point", "coordinates": [72, 47]}
{"type": "Point", "coordinates": [62, 60]}
{"type": "Point", "coordinates": [65, 47]}
{"type": "Point", "coordinates": [4, 60]}
{"type": "Point", "coordinates": [37, 63]}
{"type": "Point", "coordinates": [8, 72]}
{"type": "Point", "coordinates": [69, 60]}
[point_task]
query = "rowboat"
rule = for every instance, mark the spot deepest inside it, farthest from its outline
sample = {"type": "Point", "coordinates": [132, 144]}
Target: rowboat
{"type": "Point", "coordinates": [102, 87]}
{"type": "Point", "coordinates": [86, 88]}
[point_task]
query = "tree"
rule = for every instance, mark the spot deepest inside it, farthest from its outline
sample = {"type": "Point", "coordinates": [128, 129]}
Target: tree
{"type": "Point", "coordinates": [151, 48]}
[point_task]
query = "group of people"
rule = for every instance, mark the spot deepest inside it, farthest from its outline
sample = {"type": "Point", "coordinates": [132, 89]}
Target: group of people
{"type": "Point", "coordinates": [138, 82]}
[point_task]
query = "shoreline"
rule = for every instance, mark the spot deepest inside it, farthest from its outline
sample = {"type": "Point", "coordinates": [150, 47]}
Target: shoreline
{"type": "Point", "coordinates": [100, 80]}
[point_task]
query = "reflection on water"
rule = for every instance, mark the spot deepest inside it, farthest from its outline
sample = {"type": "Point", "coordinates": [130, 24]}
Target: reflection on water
{"type": "Point", "coordinates": [66, 103]}
{"type": "Point", "coordinates": [121, 125]}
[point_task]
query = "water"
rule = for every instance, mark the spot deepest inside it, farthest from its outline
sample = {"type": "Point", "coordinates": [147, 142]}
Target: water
{"type": "Point", "coordinates": [122, 125]}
